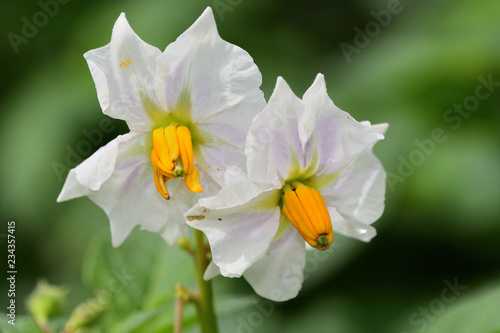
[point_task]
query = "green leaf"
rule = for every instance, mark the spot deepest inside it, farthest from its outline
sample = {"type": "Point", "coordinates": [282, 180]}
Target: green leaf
{"type": "Point", "coordinates": [135, 282]}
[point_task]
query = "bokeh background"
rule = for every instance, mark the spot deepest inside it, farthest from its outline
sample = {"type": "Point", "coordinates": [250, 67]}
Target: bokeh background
{"type": "Point", "coordinates": [414, 69]}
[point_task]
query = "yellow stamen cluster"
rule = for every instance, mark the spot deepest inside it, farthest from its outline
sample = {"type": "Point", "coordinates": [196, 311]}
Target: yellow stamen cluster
{"type": "Point", "coordinates": [306, 210]}
{"type": "Point", "coordinates": [172, 156]}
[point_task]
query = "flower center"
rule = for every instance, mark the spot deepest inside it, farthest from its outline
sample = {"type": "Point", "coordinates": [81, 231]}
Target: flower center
{"type": "Point", "coordinates": [306, 210]}
{"type": "Point", "coordinates": [172, 157]}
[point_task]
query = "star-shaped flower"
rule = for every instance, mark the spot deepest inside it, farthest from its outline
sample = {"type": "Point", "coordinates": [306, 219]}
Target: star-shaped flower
{"type": "Point", "coordinates": [311, 171]}
{"type": "Point", "coordinates": [188, 108]}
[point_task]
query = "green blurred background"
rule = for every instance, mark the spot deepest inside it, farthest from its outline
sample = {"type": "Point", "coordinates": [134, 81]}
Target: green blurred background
{"type": "Point", "coordinates": [412, 70]}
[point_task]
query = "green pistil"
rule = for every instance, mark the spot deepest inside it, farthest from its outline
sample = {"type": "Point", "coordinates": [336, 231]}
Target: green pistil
{"type": "Point", "coordinates": [179, 171]}
{"type": "Point", "coordinates": [322, 241]}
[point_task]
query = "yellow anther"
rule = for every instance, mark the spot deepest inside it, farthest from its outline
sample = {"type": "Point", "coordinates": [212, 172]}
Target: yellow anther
{"type": "Point", "coordinates": [306, 210]}
{"type": "Point", "coordinates": [161, 184]}
{"type": "Point", "coordinates": [173, 143]}
{"type": "Point", "coordinates": [172, 157]}
{"type": "Point", "coordinates": [192, 181]}
{"type": "Point", "coordinates": [158, 165]}
{"type": "Point", "coordinates": [160, 149]}
{"type": "Point", "coordinates": [186, 148]}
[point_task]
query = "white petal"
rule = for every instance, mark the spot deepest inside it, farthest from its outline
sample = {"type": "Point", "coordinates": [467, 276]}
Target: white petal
{"type": "Point", "coordinates": [129, 196]}
{"type": "Point", "coordinates": [123, 72]}
{"type": "Point", "coordinates": [351, 227]}
{"type": "Point", "coordinates": [238, 190]}
{"type": "Point", "coordinates": [211, 271]}
{"type": "Point", "coordinates": [338, 138]}
{"type": "Point", "coordinates": [279, 274]}
{"type": "Point", "coordinates": [171, 212]}
{"type": "Point", "coordinates": [216, 85]}
{"type": "Point", "coordinates": [218, 75]}
{"type": "Point", "coordinates": [91, 173]}
{"type": "Point", "coordinates": [356, 198]}
{"type": "Point", "coordinates": [237, 237]}
{"type": "Point", "coordinates": [276, 141]}
{"type": "Point", "coordinates": [228, 130]}
{"type": "Point", "coordinates": [380, 128]}
{"type": "Point", "coordinates": [240, 224]}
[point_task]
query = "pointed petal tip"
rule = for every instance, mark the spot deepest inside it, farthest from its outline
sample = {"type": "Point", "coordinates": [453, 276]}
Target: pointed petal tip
{"type": "Point", "coordinates": [281, 81]}
{"type": "Point", "coordinates": [204, 27]}
{"type": "Point", "coordinates": [120, 20]}
{"type": "Point", "coordinates": [281, 86]}
{"type": "Point", "coordinates": [121, 26]}
{"type": "Point", "coordinates": [116, 242]}
{"type": "Point", "coordinates": [60, 198]}
{"type": "Point", "coordinates": [208, 11]}
{"type": "Point", "coordinates": [319, 83]}
{"type": "Point", "coordinates": [368, 237]}
{"type": "Point", "coordinates": [207, 17]}
{"type": "Point", "coordinates": [211, 271]}
{"type": "Point", "coordinates": [117, 238]}
{"type": "Point", "coordinates": [317, 95]}
{"type": "Point", "coordinates": [381, 128]}
{"type": "Point", "coordinates": [319, 77]}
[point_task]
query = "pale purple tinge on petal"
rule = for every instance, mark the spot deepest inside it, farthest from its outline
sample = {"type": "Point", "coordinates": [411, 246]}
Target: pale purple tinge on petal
{"type": "Point", "coordinates": [123, 73]}
{"type": "Point", "coordinates": [355, 199]}
{"type": "Point", "coordinates": [279, 274]}
{"type": "Point", "coordinates": [228, 129]}
{"type": "Point", "coordinates": [217, 75]}
{"type": "Point", "coordinates": [358, 196]}
{"type": "Point", "coordinates": [217, 84]}
{"type": "Point", "coordinates": [128, 195]}
{"type": "Point", "coordinates": [238, 235]}
{"type": "Point", "coordinates": [275, 143]}
{"type": "Point", "coordinates": [240, 222]}
{"type": "Point", "coordinates": [239, 190]}
{"type": "Point", "coordinates": [338, 137]}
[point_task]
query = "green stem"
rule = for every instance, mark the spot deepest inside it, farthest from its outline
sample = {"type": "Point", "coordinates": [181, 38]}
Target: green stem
{"type": "Point", "coordinates": [205, 307]}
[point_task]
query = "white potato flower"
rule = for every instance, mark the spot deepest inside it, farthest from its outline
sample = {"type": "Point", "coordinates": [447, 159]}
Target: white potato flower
{"type": "Point", "coordinates": [311, 171]}
{"type": "Point", "coordinates": [188, 109]}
